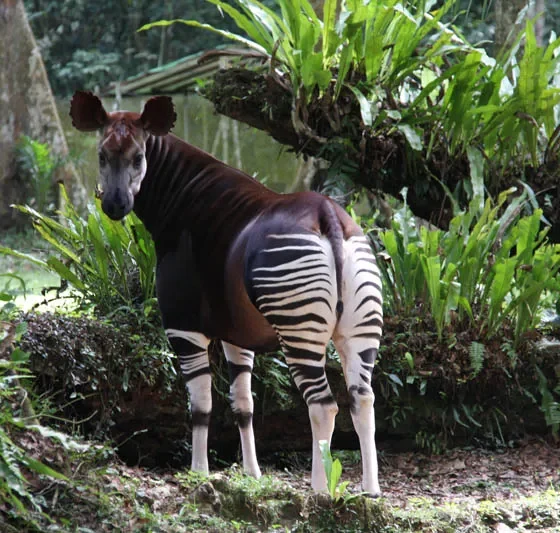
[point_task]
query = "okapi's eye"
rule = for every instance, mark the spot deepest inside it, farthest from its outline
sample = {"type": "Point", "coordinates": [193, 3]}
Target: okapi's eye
{"type": "Point", "coordinates": [102, 159]}
{"type": "Point", "coordinates": [137, 161]}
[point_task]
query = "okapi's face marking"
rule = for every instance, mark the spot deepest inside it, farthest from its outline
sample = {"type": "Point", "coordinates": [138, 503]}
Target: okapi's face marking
{"type": "Point", "coordinates": [122, 157]}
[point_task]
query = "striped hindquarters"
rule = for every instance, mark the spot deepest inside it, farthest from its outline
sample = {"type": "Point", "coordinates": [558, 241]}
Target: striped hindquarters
{"type": "Point", "coordinates": [294, 283]}
{"type": "Point", "coordinates": [360, 326]}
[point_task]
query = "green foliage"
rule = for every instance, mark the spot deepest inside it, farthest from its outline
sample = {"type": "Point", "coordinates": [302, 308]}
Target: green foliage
{"type": "Point", "coordinates": [272, 382]}
{"type": "Point", "coordinates": [87, 68]}
{"type": "Point", "coordinates": [409, 71]}
{"type": "Point", "coordinates": [333, 471]}
{"type": "Point", "coordinates": [89, 44]}
{"type": "Point", "coordinates": [14, 486]}
{"type": "Point", "coordinates": [549, 406]}
{"type": "Point", "coordinates": [38, 165]}
{"type": "Point", "coordinates": [291, 38]}
{"type": "Point", "coordinates": [110, 265]}
{"type": "Point", "coordinates": [489, 268]}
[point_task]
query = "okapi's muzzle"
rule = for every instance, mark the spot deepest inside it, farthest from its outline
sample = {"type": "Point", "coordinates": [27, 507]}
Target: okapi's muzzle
{"type": "Point", "coordinates": [116, 203]}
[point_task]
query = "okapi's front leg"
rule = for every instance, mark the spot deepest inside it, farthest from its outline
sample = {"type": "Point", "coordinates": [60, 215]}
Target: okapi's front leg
{"type": "Point", "coordinates": [240, 364]}
{"type": "Point", "coordinates": [192, 350]}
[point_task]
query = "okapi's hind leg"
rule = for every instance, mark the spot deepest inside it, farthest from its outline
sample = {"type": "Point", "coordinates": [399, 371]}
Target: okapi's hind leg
{"type": "Point", "coordinates": [357, 365]}
{"type": "Point", "coordinates": [192, 350]}
{"type": "Point", "coordinates": [356, 339]}
{"type": "Point", "coordinates": [240, 365]}
{"type": "Point", "coordinates": [296, 291]}
{"type": "Point", "coordinates": [308, 370]}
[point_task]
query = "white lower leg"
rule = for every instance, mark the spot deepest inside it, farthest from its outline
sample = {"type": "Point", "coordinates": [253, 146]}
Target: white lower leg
{"type": "Point", "coordinates": [364, 423]}
{"type": "Point", "coordinates": [250, 463]}
{"type": "Point", "coordinates": [240, 363]}
{"type": "Point", "coordinates": [322, 426]}
{"type": "Point", "coordinates": [242, 401]}
{"type": "Point", "coordinates": [199, 461]}
{"type": "Point", "coordinates": [201, 407]}
{"type": "Point", "coordinates": [358, 358]}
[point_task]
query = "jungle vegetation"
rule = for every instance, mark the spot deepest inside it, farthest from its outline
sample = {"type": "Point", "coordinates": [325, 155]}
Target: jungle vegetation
{"type": "Point", "coordinates": [416, 114]}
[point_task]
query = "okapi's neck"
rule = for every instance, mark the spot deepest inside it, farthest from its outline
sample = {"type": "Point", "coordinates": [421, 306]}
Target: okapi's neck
{"type": "Point", "coordinates": [186, 188]}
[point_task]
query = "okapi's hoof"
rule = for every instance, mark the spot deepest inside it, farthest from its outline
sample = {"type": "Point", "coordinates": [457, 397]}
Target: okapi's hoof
{"type": "Point", "coordinates": [373, 494]}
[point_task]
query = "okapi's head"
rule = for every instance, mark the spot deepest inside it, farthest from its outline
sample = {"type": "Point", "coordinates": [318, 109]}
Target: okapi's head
{"type": "Point", "coordinates": [122, 147]}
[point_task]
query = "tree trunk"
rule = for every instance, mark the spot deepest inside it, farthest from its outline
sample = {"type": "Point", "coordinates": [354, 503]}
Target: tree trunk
{"type": "Point", "coordinates": [27, 106]}
{"type": "Point", "coordinates": [506, 13]}
{"type": "Point", "coordinates": [539, 11]}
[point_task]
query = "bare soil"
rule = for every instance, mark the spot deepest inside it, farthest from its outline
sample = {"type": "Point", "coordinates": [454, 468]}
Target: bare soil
{"type": "Point", "coordinates": [473, 474]}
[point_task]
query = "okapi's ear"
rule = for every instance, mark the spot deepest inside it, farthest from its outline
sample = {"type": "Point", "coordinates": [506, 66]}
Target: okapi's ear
{"type": "Point", "coordinates": [159, 115]}
{"type": "Point", "coordinates": [87, 112]}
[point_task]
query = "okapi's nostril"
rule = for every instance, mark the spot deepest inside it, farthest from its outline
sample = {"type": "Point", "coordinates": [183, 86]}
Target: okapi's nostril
{"type": "Point", "coordinates": [120, 203]}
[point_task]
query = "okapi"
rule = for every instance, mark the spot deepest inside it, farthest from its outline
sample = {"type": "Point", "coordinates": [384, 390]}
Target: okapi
{"type": "Point", "coordinates": [253, 268]}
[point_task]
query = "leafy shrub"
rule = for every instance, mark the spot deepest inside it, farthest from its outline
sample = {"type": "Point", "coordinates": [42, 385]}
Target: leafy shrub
{"type": "Point", "coordinates": [38, 166]}
{"type": "Point", "coordinates": [489, 268]}
{"type": "Point", "coordinates": [14, 486]}
{"type": "Point", "coordinates": [110, 265]}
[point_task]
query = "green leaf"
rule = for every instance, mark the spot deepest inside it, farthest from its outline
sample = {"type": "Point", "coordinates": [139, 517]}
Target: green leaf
{"type": "Point", "coordinates": [330, 36]}
{"type": "Point", "coordinates": [67, 441]}
{"type": "Point", "coordinates": [26, 257]}
{"type": "Point", "coordinates": [414, 140]}
{"type": "Point", "coordinates": [43, 469]}
{"type": "Point", "coordinates": [99, 246]}
{"type": "Point", "coordinates": [409, 360]}
{"type": "Point", "coordinates": [476, 163]}
{"type": "Point", "coordinates": [195, 24]}
{"type": "Point", "coordinates": [65, 273]}
{"type": "Point", "coordinates": [336, 472]}
{"type": "Point", "coordinates": [19, 356]}
{"type": "Point", "coordinates": [367, 110]}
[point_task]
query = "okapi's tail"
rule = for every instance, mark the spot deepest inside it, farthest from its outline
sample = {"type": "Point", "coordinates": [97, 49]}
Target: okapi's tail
{"type": "Point", "coordinates": [331, 227]}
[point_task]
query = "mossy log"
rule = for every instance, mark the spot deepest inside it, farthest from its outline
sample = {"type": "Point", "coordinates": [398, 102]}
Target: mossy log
{"type": "Point", "coordinates": [382, 162]}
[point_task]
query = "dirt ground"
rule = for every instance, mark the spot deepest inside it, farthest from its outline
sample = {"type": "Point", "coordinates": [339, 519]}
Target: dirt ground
{"type": "Point", "coordinates": [460, 474]}
{"type": "Point", "coordinates": [470, 474]}
{"type": "Point", "coordinates": [460, 490]}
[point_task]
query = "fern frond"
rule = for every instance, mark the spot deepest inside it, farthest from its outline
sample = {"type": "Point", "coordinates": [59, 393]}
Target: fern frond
{"type": "Point", "coordinates": [477, 352]}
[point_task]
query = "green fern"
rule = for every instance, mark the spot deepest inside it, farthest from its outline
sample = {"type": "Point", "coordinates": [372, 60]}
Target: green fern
{"type": "Point", "coordinates": [549, 406]}
{"type": "Point", "coordinates": [477, 352]}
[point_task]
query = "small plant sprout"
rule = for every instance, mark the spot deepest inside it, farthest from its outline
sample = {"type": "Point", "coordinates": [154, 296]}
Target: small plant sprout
{"type": "Point", "coordinates": [333, 470]}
